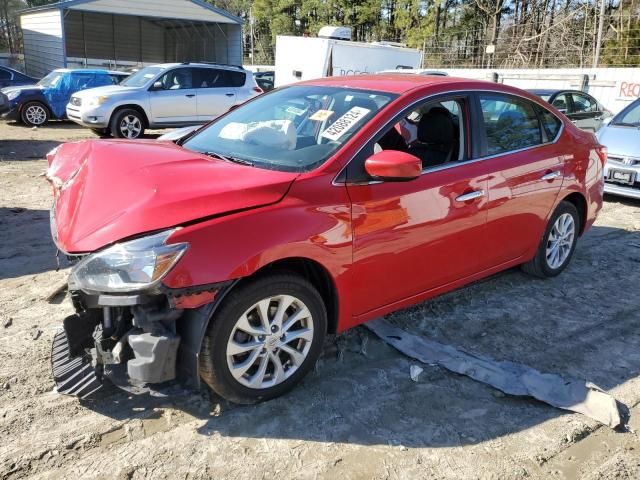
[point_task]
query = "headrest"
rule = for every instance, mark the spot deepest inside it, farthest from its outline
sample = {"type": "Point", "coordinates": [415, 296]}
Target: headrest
{"type": "Point", "coordinates": [436, 126]}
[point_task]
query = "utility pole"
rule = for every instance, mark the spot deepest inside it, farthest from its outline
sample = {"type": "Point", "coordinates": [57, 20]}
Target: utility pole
{"type": "Point", "coordinates": [596, 56]}
{"type": "Point", "coordinates": [251, 24]}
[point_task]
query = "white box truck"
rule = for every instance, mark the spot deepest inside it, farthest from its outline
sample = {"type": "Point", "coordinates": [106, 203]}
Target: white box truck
{"type": "Point", "coordinates": [306, 58]}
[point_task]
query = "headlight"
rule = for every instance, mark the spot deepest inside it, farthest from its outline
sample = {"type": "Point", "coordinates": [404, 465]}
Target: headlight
{"type": "Point", "coordinates": [97, 101]}
{"type": "Point", "coordinates": [129, 266]}
{"type": "Point", "coordinates": [13, 94]}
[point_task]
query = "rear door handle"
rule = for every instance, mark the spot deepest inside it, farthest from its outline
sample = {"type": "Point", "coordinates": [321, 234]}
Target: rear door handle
{"type": "Point", "coordinates": [551, 175]}
{"type": "Point", "coordinates": [470, 196]}
{"type": "Point", "coordinates": [190, 95]}
{"type": "Point", "coordinates": [229, 94]}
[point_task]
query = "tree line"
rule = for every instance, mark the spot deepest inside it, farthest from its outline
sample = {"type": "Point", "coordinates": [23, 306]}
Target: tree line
{"type": "Point", "coordinates": [451, 33]}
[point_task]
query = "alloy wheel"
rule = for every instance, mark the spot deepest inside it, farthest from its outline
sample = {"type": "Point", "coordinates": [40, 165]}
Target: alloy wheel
{"type": "Point", "coordinates": [560, 241]}
{"type": "Point", "coordinates": [270, 341]}
{"type": "Point", "coordinates": [130, 126]}
{"type": "Point", "coordinates": [36, 114]}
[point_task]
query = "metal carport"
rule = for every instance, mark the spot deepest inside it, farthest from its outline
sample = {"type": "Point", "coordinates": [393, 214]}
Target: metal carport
{"type": "Point", "coordinates": [118, 34]}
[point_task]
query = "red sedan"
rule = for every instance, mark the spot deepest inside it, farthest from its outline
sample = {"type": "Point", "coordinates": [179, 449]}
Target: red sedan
{"type": "Point", "coordinates": [228, 256]}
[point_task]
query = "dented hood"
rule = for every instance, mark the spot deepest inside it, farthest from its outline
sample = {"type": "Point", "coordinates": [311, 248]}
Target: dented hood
{"type": "Point", "coordinates": [108, 190]}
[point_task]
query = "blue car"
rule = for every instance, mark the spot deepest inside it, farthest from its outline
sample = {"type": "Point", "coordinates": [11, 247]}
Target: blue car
{"type": "Point", "coordinates": [11, 78]}
{"type": "Point", "coordinates": [36, 104]}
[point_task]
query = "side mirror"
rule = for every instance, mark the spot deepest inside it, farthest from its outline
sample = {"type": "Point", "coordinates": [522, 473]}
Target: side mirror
{"type": "Point", "coordinates": [157, 86]}
{"type": "Point", "coordinates": [393, 166]}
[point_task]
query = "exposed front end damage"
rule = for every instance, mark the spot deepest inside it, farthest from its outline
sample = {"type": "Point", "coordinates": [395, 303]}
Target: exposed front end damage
{"type": "Point", "coordinates": [136, 341]}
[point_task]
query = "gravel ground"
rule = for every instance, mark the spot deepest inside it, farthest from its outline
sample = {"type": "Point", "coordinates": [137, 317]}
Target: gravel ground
{"type": "Point", "coordinates": [358, 415]}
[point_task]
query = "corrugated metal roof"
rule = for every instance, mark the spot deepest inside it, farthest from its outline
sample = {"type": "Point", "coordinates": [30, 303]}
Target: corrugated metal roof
{"type": "Point", "coordinates": [78, 4]}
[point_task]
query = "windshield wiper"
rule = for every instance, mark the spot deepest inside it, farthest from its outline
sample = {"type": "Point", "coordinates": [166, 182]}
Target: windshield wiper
{"type": "Point", "coordinates": [229, 159]}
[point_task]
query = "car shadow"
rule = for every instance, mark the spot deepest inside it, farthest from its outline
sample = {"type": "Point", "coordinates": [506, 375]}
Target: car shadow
{"type": "Point", "coordinates": [582, 324]}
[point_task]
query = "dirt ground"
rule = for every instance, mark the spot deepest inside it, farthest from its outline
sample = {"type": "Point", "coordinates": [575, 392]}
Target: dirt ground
{"type": "Point", "coordinates": [358, 415]}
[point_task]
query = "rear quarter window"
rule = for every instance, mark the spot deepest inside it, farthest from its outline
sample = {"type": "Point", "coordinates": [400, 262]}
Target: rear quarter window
{"type": "Point", "coordinates": [550, 123]}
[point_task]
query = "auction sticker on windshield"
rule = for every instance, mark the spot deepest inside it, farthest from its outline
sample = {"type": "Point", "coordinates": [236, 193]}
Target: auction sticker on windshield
{"type": "Point", "coordinates": [345, 123]}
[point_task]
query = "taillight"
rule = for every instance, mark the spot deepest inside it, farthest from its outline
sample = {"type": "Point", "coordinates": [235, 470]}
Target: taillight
{"type": "Point", "coordinates": [258, 89]}
{"type": "Point", "coordinates": [601, 150]}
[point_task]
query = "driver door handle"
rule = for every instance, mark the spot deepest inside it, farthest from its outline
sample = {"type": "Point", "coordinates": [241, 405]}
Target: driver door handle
{"type": "Point", "coordinates": [551, 175]}
{"type": "Point", "coordinates": [470, 196]}
{"type": "Point", "coordinates": [190, 95]}
{"type": "Point", "coordinates": [229, 94]}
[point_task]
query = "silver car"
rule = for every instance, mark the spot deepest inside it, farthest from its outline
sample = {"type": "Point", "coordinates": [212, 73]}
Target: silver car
{"type": "Point", "coordinates": [621, 136]}
{"type": "Point", "coordinates": [163, 96]}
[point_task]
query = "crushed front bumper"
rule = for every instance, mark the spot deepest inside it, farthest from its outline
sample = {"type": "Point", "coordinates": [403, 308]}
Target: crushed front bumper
{"type": "Point", "coordinates": [138, 342]}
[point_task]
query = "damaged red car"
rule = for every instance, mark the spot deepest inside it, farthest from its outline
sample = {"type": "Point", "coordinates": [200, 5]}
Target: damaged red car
{"type": "Point", "coordinates": [226, 257]}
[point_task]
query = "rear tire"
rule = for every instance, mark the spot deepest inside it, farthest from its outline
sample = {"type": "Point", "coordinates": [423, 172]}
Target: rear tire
{"type": "Point", "coordinates": [127, 123]}
{"type": "Point", "coordinates": [558, 243]}
{"type": "Point", "coordinates": [34, 114]}
{"type": "Point", "coordinates": [247, 361]}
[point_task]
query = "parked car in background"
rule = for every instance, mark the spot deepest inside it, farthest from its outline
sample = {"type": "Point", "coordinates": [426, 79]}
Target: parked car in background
{"type": "Point", "coordinates": [162, 96]}
{"type": "Point", "coordinates": [266, 80]}
{"type": "Point", "coordinates": [36, 104]}
{"type": "Point", "coordinates": [583, 110]}
{"type": "Point", "coordinates": [229, 256]}
{"type": "Point", "coordinates": [622, 138]}
{"type": "Point", "coordinates": [417, 71]}
{"type": "Point", "coordinates": [13, 78]}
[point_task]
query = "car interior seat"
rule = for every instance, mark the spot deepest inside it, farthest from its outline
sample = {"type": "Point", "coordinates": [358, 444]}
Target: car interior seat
{"type": "Point", "coordinates": [437, 141]}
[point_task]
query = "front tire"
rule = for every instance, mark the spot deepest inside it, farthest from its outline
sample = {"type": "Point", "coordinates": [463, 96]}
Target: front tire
{"type": "Point", "coordinates": [127, 123]}
{"type": "Point", "coordinates": [266, 336]}
{"type": "Point", "coordinates": [34, 114]}
{"type": "Point", "coordinates": [558, 243]}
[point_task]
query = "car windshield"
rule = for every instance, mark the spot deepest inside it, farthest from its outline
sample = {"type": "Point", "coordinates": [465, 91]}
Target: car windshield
{"type": "Point", "coordinates": [141, 77]}
{"type": "Point", "coordinates": [630, 116]}
{"type": "Point", "coordinates": [293, 129]}
{"type": "Point", "coordinates": [51, 80]}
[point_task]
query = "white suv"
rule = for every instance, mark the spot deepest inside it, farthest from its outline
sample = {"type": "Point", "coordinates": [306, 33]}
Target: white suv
{"type": "Point", "coordinates": [159, 96]}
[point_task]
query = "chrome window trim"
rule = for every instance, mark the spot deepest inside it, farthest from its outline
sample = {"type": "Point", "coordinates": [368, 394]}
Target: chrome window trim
{"type": "Point", "coordinates": [438, 168]}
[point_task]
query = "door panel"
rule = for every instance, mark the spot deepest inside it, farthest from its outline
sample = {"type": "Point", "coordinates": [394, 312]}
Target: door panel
{"type": "Point", "coordinates": [524, 175]}
{"type": "Point", "coordinates": [216, 93]}
{"type": "Point", "coordinates": [414, 236]}
{"type": "Point", "coordinates": [177, 101]}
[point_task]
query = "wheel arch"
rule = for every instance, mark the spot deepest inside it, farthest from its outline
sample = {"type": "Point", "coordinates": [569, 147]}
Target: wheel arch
{"type": "Point", "coordinates": [192, 327]}
{"type": "Point", "coordinates": [133, 106]}
{"type": "Point", "coordinates": [316, 274]}
{"type": "Point", "coordinates": [578, 201]}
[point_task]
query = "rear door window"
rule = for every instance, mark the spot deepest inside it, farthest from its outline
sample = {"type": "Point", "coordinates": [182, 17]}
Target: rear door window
{"type": "Point", "coordinates": [218, 78]}
{"type": "Point", "coordinates": [510, 123]}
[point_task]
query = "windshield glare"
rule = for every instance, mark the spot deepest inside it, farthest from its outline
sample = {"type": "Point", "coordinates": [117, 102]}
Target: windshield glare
{"type": "Point", "coordinates": [292, 129]}
{"type": "Point", "coordinates": [141, 77]}
{"type": "Point", "coordinates": [51, 80]}
{"type": "Point", "coordinates": [629, 116]}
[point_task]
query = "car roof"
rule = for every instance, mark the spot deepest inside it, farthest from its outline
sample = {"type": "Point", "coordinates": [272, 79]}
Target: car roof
{"type": "Point", "coordinates": [202, 64]}
{"type": "Point", "coordinates": [550, 91]}
{"type": "Point", "coordinates": [88, 70]}
{"type": "Point", "coordinates": [402, 83]}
